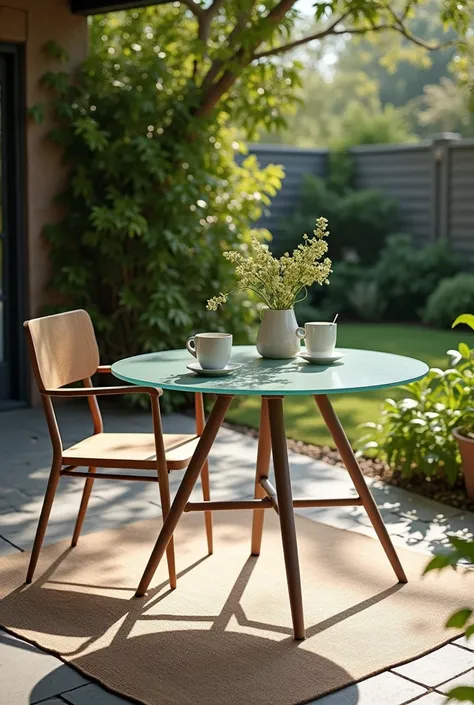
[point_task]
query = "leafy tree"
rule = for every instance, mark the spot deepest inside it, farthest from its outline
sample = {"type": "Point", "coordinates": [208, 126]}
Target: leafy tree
{"type": "Point", "coordinates": [376, 71]}
{"type": "Point", "coordinates": [445, 108]}
{"type": "Point", "coordinates": [390, 63]}
{"type": "Point", "coordinates": [342, 112]}
{"type": "Point", "coordinates": [148, 128]}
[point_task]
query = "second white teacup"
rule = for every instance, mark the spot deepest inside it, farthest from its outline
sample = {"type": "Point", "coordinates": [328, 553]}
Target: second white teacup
{"type": "Point", "coordinates": [320, 337]}
{"type": "Point", "coordinates": [212, 350]}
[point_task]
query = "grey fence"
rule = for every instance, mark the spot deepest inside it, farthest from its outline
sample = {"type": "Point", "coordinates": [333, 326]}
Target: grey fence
{"type": "Point", "coordinates": [432, 182]}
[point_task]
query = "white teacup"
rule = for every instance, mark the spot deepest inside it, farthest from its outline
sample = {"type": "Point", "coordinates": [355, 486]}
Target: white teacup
{"type": "Point", "coordinates": [212, 350]}
{"type": "Point", "coordinates": [320, 337]}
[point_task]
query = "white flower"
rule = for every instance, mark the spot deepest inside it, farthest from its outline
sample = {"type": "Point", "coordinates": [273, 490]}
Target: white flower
{"type": "Point", "coordinates": [281, 283]}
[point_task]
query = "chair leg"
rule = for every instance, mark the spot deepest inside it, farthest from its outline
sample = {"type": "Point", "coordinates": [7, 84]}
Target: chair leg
{"type": "Point", "coordinates": [83, 508]}
{"type": "Point", "coordinates": [183, 494]}
{"type": "Point", "coordinates": [164, 484]}
{"type": "Point", "coordinates": [163, 481]}
{"type": "Point", "coordinates": [263, 466]}
{"type": "Point", "coordinates": [44, 518]}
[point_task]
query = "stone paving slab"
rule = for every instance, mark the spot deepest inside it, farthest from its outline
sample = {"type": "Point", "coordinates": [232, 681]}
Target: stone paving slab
{"type": "Point", "coordinates": [383, 689]}
{"type": "Point", "coordinates": [464, 679]}
{"type": "Point", "coordinates": [28, 675]}
{"type": "Point", "coordinates": [439, 666]}
{"type": "Point", "coordinates": [6, 547]}
{"type": "Point", "coordinates": [465, 643]}
{"type": "Point", "coordinates": [431, 699]}
{"type": "Point", "coordinates": [93, 694]}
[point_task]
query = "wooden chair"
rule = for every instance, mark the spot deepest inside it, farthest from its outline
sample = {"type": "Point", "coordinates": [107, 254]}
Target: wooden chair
{"type": "Point", "coordinates": [63, 350]}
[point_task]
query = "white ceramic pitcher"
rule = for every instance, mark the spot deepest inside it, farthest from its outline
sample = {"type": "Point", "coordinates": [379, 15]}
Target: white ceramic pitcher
{"type": "Point", "coordinates": [277, 337]}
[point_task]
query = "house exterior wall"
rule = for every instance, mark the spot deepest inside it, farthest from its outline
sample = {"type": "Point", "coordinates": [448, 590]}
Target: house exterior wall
{"type": "Point", "coordinates": [32, 23]}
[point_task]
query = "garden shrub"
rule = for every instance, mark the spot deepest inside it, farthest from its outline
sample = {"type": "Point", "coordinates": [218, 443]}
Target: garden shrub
{"type": "Point", "coordinates": [359, 221]}
{"type": "Point", "coordinates": [414, 434]}
{"type": "Point", "coordinates": [343, 281]}
{"type": "Point", "coordinates": [151, 200]}
{"type": "Point", "coordinates": [407, 275]}
{"type": "Point", "coordinates": [450, 298]}
{"type": "Point", "coordinates": [367, 300]}
{"type": "Point", "coordinates": [396, 288]}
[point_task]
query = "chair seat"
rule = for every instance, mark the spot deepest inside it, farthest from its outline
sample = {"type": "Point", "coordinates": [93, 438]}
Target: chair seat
{"type": "Point", "coordinates": [131, 450]}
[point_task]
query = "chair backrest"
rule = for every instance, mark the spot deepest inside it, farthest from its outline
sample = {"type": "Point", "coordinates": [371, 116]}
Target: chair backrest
{"type": "Point", "coordinates": [63, 348]}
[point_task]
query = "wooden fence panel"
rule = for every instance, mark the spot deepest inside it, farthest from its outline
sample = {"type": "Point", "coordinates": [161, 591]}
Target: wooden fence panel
{"type": "Point", "coordinates": [403, 172]}
{"type": "Point", "coordinates": [461, 198]}
{"type": "Point", "coordinates": [432, 182]}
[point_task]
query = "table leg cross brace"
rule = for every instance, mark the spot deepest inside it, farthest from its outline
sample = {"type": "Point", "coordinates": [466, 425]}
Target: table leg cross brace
{"type": "Point", "coordinates": [269, 502]}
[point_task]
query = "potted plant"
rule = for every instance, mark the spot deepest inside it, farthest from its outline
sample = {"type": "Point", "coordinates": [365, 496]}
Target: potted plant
{"type": "Point", "coordinates": [280, 284]}
{"type": "Point", "coordinates": [464, 432]}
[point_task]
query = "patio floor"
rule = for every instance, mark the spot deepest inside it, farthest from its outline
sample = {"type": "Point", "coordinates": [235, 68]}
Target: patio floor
{"type": "Point", "coordinates": [28, 675]}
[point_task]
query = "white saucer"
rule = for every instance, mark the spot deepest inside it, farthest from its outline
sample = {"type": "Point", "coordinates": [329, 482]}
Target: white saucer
{"type": "Point", "coordinates": [227, 370]}
{"type": "Point", "coordinates": [321, 359]}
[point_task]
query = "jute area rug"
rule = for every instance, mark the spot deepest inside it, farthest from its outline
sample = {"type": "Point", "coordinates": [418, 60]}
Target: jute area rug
{"type": "Point", "coordinates": [224, 636]}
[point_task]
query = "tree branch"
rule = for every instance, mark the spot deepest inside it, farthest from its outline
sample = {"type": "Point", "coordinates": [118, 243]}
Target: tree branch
{"type": "Point", "coordinates": [213, 92]}
{"type": "Point", "coordinates": [214, 8]}
{"type": "Point", "coordinates": [398, 27]}
{"type": "Point", "coordinates": [319, 35]}
{"type": "Point", "coordinates": [217, 64]}
{"type": "Point", "coordinates": [194, 7]}
{"type": "Point", "coordinates": [420, 42]}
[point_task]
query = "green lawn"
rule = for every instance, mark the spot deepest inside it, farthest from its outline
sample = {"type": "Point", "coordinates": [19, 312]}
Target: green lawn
{"type": "Point", "coordinates": [302, 419]}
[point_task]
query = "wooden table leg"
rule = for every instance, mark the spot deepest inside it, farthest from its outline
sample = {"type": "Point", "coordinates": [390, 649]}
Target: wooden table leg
{"type": "Point", "coordinates": [348, 458]}
{"type": "Point", "coordinates": [263, 466]}
{"type": "Point", "coordinates": [214, 422]}
{"type": "Point", "coordinates": [286, 513]}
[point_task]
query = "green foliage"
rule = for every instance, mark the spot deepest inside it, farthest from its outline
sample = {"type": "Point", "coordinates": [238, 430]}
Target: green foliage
{"type": "Point", "coordinates": [396, 287]}
{"type": "Point", "coordinates": [367, 301]}
{"type": "Point", "coordinates": [360, 220]}
{"type": "Point", "coordinates": [450, 298]}
{"type": "Point", "coordinates": [462, 551]}
{"type": "Point", "coordinates": [346, 277]}
{"type": "Point", "coordinates": [341, 170]}
{"type": "Point", "coordinates": [408, 275]}
{"type": "Point", "coordinates": [349, 113]}
{"type": "Point", "coordinates": [153, 196]}
{"type": "Point", "coordinates": [466, 318]}
{"type": "Point", "coordinates": [415, 433]}
{"type": "Point", "coordinates": [55, 51]}
{"type": "Point", "coordinates": [372, 123]}
{"type": "Point", "coordinates": [36, 113]}
{"type": "Point", "coordinates": [462, 693]}
{"type": "Point", "coordinates": [383, 75]}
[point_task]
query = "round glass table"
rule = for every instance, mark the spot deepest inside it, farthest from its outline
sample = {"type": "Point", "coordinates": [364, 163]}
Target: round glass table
{"type": "Point", "coordinates": [272, 380]}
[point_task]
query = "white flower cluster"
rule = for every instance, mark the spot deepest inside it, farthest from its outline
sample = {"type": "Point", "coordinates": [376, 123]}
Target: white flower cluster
{"type": "Point", "coordinates": [281, 283]}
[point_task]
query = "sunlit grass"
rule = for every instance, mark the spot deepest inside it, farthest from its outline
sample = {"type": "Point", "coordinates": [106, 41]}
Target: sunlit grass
{"type": "Point", "coordinates": [302, 418]}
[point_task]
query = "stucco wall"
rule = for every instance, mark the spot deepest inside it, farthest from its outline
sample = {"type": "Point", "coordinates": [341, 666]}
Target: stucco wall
{"type": "Point", "coordinates": [33, 23]}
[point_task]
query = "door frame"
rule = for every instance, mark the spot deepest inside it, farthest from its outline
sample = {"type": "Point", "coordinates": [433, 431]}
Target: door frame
{"type": "Point", "coordinates": [15, 387]}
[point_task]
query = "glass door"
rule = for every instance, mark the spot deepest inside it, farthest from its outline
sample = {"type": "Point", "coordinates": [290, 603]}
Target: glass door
{"type": "Point", "coordinates": [12, 282]}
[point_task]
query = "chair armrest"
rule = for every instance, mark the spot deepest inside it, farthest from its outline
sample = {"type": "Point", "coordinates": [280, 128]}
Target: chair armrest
{"type": "Point", "coordinates": [104, 369]}
{"type": "Point", "coordinates": [70, 392]}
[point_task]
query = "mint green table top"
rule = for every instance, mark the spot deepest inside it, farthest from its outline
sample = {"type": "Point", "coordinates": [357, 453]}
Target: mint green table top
{"type": "Point", "coordinates": [359, 370]}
